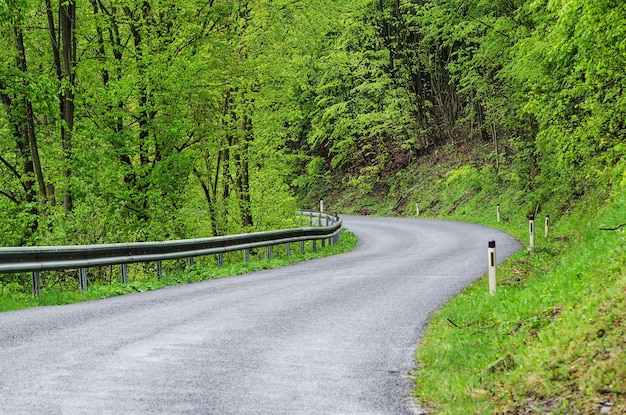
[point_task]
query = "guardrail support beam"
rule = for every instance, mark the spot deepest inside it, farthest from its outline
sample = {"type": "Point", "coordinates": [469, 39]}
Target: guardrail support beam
{"type": "Point", "coordinates": [124, 269]}
{"type": "Point", "coordinates": [35, 283]}
{"type": "Point", "coordinates": [83, 279]}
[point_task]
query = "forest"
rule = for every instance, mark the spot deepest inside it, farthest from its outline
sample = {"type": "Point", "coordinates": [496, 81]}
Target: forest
{"type": "Point", "coordinates": [145, 120]}
{"type": "Point", "coordinates": [133, 120]}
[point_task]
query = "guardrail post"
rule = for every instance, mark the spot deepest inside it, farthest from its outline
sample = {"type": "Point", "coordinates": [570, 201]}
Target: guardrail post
{"type": "Point", "coordinates": [246, 255]}
{"type": "Point", "coordinates": [36, 283]}
{"type": "Point", "coordinates": [124, 273]}
{"type": "Point", "coordinates": [159, 265]}
{"type": "Point", "coordinates": [192, 261]}
{"type": "Point", "coordinates": [82, 276]}
{"type": "Point", "coordinates": [302, 247]}
{"type": "Point", "coordinates": [288, 249]}
{"type": "Point", "coordinates": [314, 245]}
{"type": "Point", "coordinates": [220, 260]}
{"type": "Point", "coordinates": [269, 252]}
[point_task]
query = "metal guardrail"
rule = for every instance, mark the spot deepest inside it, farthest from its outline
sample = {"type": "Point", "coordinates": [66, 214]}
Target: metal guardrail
{"type": "Point", "coordinates": [323, 227]}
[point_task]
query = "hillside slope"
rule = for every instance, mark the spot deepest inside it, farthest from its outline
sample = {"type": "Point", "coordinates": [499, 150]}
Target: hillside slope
{"type": "Point", "coordinates": [553, 339]}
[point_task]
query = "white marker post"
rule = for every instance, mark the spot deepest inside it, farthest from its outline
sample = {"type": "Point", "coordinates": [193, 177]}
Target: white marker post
{"type": "Point", "coordinates": [498, 213]}
{"type": "Point", "coordinates": [417, 209]}
{"type": "Point", "coordinates": [547, 225]}
{"type": "Point", "coordinates": [321, 205]}
{"type": "Point", "coordinates": [531, 229]}
{"type": "Point", "coordinates": [492, 267]}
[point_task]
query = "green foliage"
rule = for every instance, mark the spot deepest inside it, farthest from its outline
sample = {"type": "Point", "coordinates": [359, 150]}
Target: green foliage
{"type": "Point", "coordinates": [567, 70]}
{"type": "Point", "coordinates": [540, 83]}
{"type": "Point", "coordinates": [180, 118]}
{"type": "Point", "coordinates": [195, 119]}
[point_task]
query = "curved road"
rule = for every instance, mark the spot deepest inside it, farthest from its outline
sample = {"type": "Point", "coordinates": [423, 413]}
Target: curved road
{"type": "Point", "coordinates": [328, 336]}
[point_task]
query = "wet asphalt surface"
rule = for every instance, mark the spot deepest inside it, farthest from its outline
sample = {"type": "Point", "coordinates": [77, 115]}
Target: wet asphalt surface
{"type": "Point", "coordinates": [327, 336]}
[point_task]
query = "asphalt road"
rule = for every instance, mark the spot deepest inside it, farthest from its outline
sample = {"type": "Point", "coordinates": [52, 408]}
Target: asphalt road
{"type": "Point", "coordinates": [328, 336]}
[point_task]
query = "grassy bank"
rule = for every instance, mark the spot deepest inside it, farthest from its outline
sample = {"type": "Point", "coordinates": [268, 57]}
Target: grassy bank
{"type": "Point", "coordinates": [551, 341]}
{"type": "Point", "coordinates": [17, 295]}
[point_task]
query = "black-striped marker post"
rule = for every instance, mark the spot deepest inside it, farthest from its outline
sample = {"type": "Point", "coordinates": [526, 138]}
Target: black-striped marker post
{"type": "Point", "coordinates": [547, 226]}
{"type": "Point", "coordinates": [531, 229]}
{"type": "Point", "coordinates": [492, 267]}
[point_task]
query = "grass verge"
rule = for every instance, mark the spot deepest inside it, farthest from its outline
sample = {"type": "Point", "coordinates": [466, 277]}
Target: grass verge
{"type": "Point", "coordinates": [15, 296]}
{"type": "Point", "coordinates": [553, 338]}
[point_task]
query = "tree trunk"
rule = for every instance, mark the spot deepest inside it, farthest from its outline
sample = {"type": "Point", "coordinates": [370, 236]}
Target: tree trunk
{"type": "Point", "coordinates": [209, 195]}
{"type": "Point", "coordinates": [63, 45]}
{"type": "Point", "coordinates": [28, 120]}
{"type": "Point", "coordinates": [67, 25]}
{"type": "Point", "coordinates": [243, 174]}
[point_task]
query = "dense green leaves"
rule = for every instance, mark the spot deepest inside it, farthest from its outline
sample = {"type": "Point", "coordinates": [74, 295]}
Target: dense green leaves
{"type": "Point", "coordinates": [138, 120]}
{"type": "Point", "coordinates": [126, 120]}
{"type": "Point", "coordinates": [541, 81]}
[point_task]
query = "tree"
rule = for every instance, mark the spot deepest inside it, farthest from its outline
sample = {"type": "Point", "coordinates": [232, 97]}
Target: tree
{"type": "Point", "coordinates": [22, 95]}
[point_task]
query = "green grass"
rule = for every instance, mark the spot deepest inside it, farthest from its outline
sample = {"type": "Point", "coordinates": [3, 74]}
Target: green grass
{"type": "Point", "coordinates": [16, 295]}
{"type": "Point", "coordinates": [551, 341]}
